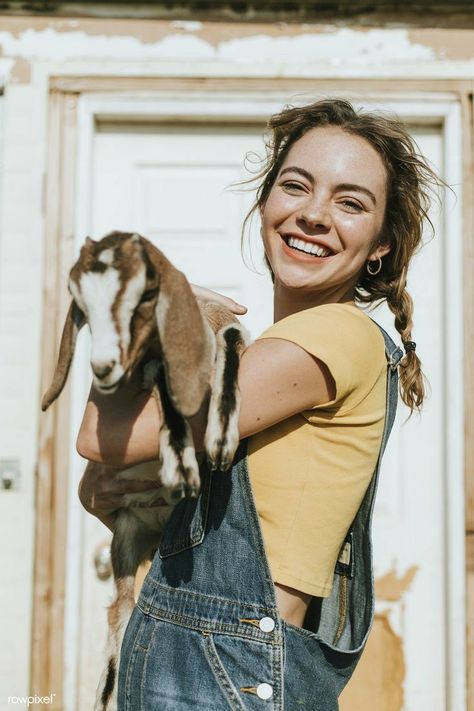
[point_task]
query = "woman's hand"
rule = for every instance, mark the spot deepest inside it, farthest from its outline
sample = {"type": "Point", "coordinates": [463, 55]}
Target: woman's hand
{"type": "Point", "coordinates": [200, 292]}
{"type": "Point", "coordinates": [101, 492]}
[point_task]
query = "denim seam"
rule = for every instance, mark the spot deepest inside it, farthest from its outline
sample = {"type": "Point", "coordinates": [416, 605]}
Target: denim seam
{"type": "Point", "coordinates": [265, 610]}
{"type": "Point", "coordinates": [210, 626]}
{"type": "Point", "coordinates": [198, 537]}
{"type": "Point", "coordinates": [131, 664]}
{"type": "Point", "coordinates": [145, 663]}
{"type": "Point", "coordinates": [278, 685]}
{"type": "Point", "coordinates": [221, 675]}
{"type": "Point", "coordinates": [256, 531]}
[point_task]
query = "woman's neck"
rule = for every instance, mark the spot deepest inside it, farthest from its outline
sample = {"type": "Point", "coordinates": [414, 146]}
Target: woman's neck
{"type": "Point", "coordinates": [291, 301]}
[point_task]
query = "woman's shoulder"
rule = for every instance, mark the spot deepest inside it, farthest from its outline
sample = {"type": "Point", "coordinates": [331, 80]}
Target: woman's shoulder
{"type": "Point", "coordinates": [344, 338]}
{"type": "Point", "coordinates": [339, 322]}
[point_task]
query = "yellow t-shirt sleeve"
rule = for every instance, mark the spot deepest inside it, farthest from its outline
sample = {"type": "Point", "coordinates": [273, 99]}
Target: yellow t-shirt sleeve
{"type": "Point", "coordinates": [341, 336]}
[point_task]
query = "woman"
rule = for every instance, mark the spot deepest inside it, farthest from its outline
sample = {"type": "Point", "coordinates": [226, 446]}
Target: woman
{"type": "Point", "coordinates": [271, 597]}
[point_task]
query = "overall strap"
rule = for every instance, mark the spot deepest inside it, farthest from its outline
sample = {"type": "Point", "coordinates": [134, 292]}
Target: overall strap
{"type": "Point", "coordinates": [347, 614]}
{"type": "Point", "coordinates": [394, 355]}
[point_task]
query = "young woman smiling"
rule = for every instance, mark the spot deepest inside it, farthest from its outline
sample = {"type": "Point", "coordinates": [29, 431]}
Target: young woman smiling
{"type": "Point", "coordinates": [275, 600]}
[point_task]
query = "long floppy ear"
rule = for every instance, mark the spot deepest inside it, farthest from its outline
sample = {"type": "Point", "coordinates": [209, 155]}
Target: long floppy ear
{"type": "Point", "coordinates": [186, 340]}
{"type": "Point", "coordinates": [74, 322]}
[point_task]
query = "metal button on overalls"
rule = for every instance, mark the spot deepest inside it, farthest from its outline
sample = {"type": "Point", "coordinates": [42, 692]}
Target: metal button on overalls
{"type": "Point", "coordinates": [264, 691]}
{"type": "Point", "coordinates": [266, 624]}
{"type": "Point", "coordinates": [206, 633]}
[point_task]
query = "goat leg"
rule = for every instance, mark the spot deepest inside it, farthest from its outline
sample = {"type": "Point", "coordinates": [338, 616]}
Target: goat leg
{"type": "Point", "coordinates": [131, 545]}
{"type": "Point", "coordinates": [222, 433]}
{"type": "Point", "coordinates": [179, 470]}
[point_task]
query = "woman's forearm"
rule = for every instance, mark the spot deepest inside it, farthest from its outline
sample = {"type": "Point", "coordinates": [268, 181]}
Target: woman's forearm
{"type": "Point", "coordinates": [120, 429]}
{"type": "Point", "coordinates": [277, 379]}
{"type": "Point", "coordinates": [123, 429]}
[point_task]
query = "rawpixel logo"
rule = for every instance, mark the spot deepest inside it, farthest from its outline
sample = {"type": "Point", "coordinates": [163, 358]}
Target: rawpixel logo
{"type": "Point", "coordinates": [29, 700]}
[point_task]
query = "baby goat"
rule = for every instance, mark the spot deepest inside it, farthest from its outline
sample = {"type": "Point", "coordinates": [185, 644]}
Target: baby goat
{"type": "Point", "coordinates": [142, 314]}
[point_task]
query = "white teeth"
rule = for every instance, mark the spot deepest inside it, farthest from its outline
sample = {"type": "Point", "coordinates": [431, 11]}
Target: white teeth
{"type": "Point", "coordinates": [308, 247]}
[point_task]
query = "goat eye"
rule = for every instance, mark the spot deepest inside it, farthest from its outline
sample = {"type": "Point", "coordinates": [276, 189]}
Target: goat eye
{"type": "Point", "coordinates": [148, 295]}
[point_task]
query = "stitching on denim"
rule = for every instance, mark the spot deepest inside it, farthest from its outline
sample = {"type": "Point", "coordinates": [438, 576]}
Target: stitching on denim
{"type": "Point", "coordinates": [203, 596]}
{"type": "Point", "coordinates": [319, 640]}
{"type": "Point", "coordinates": [277, 676]}
{"type": "Point", "coordinates": [131, 665]}
{"type": "Point", "coordinates": [342, 591]}
{"type": "Point", "coordinates": [221, 675]}
{"type": "Point", "coordinates": [198, 537]}
{"type": "Point", "coordinates": [280, 674]}
{"type": "Point", "coordinates": [151, 637]}
{"type": "Point", "coordinates": [255, 529]}
{"type": "Point", "coordinates": [216, 627]}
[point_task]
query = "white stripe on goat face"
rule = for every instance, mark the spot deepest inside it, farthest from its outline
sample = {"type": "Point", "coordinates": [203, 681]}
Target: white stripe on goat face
{"type": "Point", "coordinates": [108, 313]}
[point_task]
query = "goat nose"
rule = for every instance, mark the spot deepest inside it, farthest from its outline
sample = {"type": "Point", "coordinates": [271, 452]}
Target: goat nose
{"type": "Point", "coordinates": [101, 370]}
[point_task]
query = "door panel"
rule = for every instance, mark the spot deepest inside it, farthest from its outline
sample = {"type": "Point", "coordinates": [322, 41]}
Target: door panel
{"type": "Point", "coordinates": [171, 185]}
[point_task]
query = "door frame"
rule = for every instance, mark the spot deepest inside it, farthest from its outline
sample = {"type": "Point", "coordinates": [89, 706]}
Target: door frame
{"type": "Point", "coordinates": [75, 105]}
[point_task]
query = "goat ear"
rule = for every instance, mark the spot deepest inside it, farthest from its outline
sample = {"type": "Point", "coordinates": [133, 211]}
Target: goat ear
{"type": "Point", "coordinates": [74, 322]}
{"type": "Point", "coordinates": [186, 339]}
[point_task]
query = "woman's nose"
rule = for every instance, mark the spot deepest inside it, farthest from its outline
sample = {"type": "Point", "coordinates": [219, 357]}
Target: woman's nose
{"type": "Point", "coordinates": [316, 214]}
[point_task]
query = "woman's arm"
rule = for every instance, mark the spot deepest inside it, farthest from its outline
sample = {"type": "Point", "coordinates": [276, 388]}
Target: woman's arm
{"type": "Point", "coordinates": [277, 379]}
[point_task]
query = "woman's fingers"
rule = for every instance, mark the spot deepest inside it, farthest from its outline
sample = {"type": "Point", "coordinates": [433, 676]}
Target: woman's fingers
{"type": "Point", "coordinates": [201, 292]}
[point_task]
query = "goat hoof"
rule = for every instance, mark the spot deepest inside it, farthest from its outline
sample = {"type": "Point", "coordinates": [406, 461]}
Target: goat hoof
{"type": "Point", "coordinates": [211, 464]}
{"type": "Point", "coordinates": [222, 461]}
{"type": "Point", "coordinates": [178, 493]}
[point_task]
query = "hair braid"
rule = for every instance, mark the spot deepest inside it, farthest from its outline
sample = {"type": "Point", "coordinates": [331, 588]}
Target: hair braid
{"type": "Point", "coordinates": [412, 386]}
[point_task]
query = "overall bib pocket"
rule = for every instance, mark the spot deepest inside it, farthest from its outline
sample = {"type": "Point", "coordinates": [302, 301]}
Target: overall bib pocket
{"type": "Point", "coordinates": [187, 524]}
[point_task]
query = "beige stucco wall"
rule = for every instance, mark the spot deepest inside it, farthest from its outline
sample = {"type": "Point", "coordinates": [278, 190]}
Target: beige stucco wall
{"type": "Point", "coordinates": [31, 51]}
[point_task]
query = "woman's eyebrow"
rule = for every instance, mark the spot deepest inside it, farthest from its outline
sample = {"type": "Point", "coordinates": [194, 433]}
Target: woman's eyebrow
{"type": "Point", "coordinates": [340, 186]}
{"type": "Point", "coordinates": [301, 171]}
{"type": "Point", "coordinates": [357, 188]}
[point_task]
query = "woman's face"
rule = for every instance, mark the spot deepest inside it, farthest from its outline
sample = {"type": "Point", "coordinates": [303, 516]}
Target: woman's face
{"type": "Point", "coordinates": [324, 213]}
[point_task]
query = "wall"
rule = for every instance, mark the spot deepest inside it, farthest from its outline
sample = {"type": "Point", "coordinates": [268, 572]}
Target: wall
{"type": "Point", "coordinates": [34, 49]}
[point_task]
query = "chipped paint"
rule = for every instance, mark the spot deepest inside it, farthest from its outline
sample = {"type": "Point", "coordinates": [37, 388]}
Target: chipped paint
{"type": "Point", "coordinates": [335, 47]}
{"type": "Point", "coordinates": [446, 44]}
{"type": "Point", "coordinates": [187, 25]}
{"type": "Point", "coordinates": [20, 72]}
{"type": "Point", "coordinates": [389, 587]}
{"type": "Point", "coordinates": [377, 683]}
{"type": "Point", "coordinates": [247, 48]}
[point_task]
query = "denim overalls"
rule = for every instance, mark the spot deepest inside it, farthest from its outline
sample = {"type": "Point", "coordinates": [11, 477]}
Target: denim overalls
{"type": "Point", "coordinates": [206, 633]}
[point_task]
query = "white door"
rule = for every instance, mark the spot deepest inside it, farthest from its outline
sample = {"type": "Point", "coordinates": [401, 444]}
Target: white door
{"type": "Point", "coordinates": [169, 184]}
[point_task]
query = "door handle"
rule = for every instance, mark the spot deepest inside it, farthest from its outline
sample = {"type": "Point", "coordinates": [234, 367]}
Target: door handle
{"type": "Point", "coordinates": [103, 561]}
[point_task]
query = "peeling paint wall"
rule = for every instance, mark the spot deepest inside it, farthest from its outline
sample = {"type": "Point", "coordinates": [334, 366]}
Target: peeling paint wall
{"type": "Point", "coordinates": [377, 683]}
{"type": "Point", "coordinates": [31, 51]}
{"type": "Point", "coordinates": [284, 47]}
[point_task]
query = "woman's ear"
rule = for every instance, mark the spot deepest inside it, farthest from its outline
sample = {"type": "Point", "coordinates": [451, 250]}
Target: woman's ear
{"type": "Point", "coordinates": [380, 250]}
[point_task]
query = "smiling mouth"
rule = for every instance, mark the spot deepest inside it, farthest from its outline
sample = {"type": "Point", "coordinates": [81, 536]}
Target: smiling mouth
{"type": "Point", "coordinates": [300, 245]}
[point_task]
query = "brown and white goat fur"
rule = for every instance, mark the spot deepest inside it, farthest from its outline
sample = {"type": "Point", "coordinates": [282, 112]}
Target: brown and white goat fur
{"type": "Point", "coordinates": [142, 314]}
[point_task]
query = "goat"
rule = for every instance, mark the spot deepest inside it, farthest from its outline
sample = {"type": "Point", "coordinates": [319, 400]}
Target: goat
{"type": "Point", "coordinates": [142, 314]}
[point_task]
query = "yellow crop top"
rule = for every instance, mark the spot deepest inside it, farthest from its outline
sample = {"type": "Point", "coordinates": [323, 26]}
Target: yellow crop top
{"type": "Point", "coordinates": [310, 472]}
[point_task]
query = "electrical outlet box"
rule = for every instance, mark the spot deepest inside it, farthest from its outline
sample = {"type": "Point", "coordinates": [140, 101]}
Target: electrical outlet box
{"type": "Point", "coordinates": [9, 474]}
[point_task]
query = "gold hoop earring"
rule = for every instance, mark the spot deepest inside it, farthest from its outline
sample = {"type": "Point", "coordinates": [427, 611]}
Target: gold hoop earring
{"type": "Point", "coordinates": [373, 273]}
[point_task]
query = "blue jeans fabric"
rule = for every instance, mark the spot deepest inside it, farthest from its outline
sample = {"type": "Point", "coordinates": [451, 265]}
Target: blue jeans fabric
{"type": "Point", "coordinates": [206, 633]}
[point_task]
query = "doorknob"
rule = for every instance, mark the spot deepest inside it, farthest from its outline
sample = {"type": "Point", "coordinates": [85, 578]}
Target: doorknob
{"type": "Point", "coordinates": [103, 561]}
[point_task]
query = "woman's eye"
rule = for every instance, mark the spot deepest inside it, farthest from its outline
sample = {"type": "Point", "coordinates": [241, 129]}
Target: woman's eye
{"type": "Point", "coordinates": [289, 185]}
{"type": "Point", "coordinates": [353, 206]}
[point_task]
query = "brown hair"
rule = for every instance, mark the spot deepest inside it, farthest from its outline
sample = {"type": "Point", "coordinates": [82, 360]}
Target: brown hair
{"type": "Point", "coordinates": [410, 181]}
